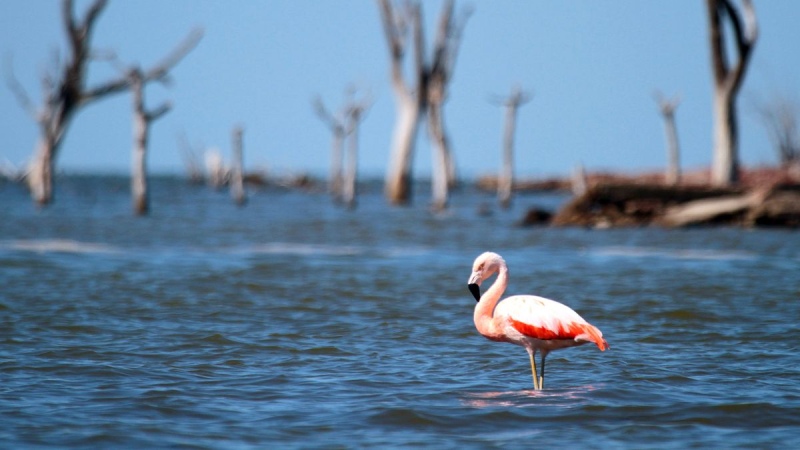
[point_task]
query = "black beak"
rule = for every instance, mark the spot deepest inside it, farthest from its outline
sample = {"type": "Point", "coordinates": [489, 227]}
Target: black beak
{"type": "Point", "coordinates": [475, 290]}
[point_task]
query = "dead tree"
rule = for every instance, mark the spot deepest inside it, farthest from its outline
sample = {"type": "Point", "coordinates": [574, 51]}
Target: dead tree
{"type": "Point", "coordinates": [727, 81]}
{"type": "Point", "coordinates": [425, 96]}
{"type": "Point", "coordinates": [344, 126]}
{"type": "Point", "coordinates": [505, 180]}
{"type": "Point", "coordinates": [349, 186]}
{"type": "Point", "coordinates": [667, 107]}
{"type": "Point", "coordinates": [237, 168]}
{"type": "Point", "coordinates": [355, 114]}
{"type": "Point", "coordinates": [64, 92]}
{"type": "Point", "coordinates": [439, 74]}
{"type": "Point", "coordinates": [141, 129]}
{"type": "Point", "coordinates": [337, 127]}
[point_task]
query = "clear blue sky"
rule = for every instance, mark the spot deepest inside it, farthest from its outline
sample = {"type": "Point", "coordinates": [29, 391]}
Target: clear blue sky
{"type": "Point", "coordinates": [592, 65]}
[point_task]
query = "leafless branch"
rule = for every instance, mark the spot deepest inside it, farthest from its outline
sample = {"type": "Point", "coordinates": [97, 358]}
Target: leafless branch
{"type": "Point", "coordinates": [394, 29]}
{"type": "Point", "coordinates": [415, 16]}
{"type": "Point", "coordinates": [161, 69]}
{"type": "Point", "coordinates": [158, 72]}
{"type": "Point", "coordinates": [78, 34]}
{"type": "Point", "coordinates": [356, 110]}
{"type": "Point", "coordinates": [448, 40]}
{"type": "Point", "coordinates": [745, 30]}
{"type": "Point", "coordinates": [329, 119]}
{"type": "Point", "coordinates": [518, 97]}
{"type": "Point", "coordinates": [441, 47]}
{"type": "Point", "coordinates": [666, 105]}
{"type": "Point", "coordinates": [155, 114]}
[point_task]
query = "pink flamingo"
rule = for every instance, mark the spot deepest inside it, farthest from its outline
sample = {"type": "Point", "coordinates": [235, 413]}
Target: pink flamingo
{"type": "Point", "coordinates": [535, 323]}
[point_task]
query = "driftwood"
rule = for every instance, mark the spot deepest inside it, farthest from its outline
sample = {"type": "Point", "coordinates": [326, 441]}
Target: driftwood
{"type": "Point", "coordinates": [780, 207]}
{"type": "Point", "coordinates": [708, 210]}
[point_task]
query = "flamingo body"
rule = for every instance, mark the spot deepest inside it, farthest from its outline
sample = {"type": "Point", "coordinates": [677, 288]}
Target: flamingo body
{"type": "Point", "coordinates": [547, 321]}
{"type": "Point", "coordinates": [536, 323]}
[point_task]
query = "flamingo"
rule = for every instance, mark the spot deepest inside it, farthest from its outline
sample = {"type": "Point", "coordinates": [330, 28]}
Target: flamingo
{"type": "Point", "coordinates": [536, 323]}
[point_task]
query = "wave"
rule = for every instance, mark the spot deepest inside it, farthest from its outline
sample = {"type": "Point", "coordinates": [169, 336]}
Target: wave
{"type": "Point", "coordinates": [695, 254]}
{"type": "Point", "coordinates": [271, 248]}
{"type": "Point", "coordinates": [287, 248]}
{"type": "Point", "coordinates": [58, 246]}
{"type": "Point", "coordinates": [303, 249]}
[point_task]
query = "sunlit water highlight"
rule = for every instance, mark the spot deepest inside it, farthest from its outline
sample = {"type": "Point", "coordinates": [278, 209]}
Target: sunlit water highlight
{"type": "Point", "coordinates": [292, 323]}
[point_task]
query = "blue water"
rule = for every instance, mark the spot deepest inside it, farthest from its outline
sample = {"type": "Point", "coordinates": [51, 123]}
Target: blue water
{"type": "Point", "coordinates": [293, 323]}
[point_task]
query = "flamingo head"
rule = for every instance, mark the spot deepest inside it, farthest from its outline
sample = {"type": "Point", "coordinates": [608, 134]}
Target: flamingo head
{"type": "Point", "coordinates": [484, 267]}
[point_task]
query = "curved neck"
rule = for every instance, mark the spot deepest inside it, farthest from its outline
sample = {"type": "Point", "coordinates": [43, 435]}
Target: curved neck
{"type": "Point", "coordinates": [484, 310]}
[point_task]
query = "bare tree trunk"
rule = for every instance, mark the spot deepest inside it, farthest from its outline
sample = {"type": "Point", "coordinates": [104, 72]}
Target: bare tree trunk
{"type": "Point", "coordinates": [727, 81]}
{"type": "Point", "coordinates": [141, 200]}
{"type": "Point", "coordinates": [505, 180]}
{"type": "Point", "coordinates": [237, 168]}
{"type": "Point", "coordinates": [438, 75]}
{"type": "Point", "coordinates": [138, 166]}
{"type": "Point", "coordinates": [452, 171]}
{"type": "Point", "coordinates": [355, 114]}
{"type": "Point", "coordinates": [336, 179]}
{"type": "Point", "coordinates": [440, 180]}
{"type": "Point", "coordinates": [64, 92]}
{"type": "Point", "coordinates": [672, 175]}
{"type": "Point", "coordinates": [351, 174]}
{"type": "Point", "coordinates": [141, 130]}
{"type": "Point", "coordinates": [40, 172]}
{"type": "Point", "coordinates": [398, 175]}
{"type": "Point", "coordinates": [725, 168]}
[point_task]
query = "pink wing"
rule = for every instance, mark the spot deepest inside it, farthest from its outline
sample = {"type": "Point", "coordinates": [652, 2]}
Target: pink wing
{"type": "Point", "coordinates": [542, 318]}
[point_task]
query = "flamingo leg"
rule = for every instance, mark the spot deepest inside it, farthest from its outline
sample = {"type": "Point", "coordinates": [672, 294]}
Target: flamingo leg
{"type": "Point", "coordinates": [541, 379]}
{"type": "Point", "coordinates": [532, 355]}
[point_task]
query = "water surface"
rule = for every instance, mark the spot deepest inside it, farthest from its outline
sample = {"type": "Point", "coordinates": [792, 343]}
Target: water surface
{"type": "Point", "coordinates": [294, 323]}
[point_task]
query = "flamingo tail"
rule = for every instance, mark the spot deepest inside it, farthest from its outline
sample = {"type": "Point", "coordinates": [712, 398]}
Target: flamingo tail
{"type": "Point", "coordinates": [592, 334]}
